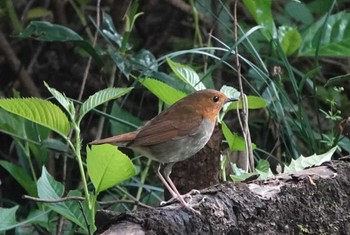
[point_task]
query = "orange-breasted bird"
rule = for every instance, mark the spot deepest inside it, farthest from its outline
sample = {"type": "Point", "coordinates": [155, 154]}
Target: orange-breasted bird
{"type": "Point", "coordinates": [175, 134]}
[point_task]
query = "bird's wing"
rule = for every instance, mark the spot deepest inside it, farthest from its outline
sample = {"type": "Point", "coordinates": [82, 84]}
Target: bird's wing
{"type": "Point", "coordinates": [169, 125]}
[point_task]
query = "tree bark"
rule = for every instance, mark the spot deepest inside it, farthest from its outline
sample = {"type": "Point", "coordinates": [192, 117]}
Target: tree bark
{"type": "Point", "coordinates": [314, 201]}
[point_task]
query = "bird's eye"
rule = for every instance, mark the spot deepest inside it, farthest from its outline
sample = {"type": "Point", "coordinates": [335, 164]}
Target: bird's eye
{"type": "Point", "coordinates": [216, 99]}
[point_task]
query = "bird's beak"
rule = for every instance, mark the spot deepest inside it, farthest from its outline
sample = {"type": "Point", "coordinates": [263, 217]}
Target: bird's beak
{"type": "Point", "coordinates": [231, 100]}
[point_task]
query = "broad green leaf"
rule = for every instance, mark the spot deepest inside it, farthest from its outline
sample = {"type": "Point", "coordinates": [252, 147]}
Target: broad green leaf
{"type": "Point", "coordinates": [8, 218]}
{"type": "Point", "coordinates": [333, 37]}
{"type": "Point", "coordinates": [50, 189]}
{"type": "Point", "coordinates": [164, 92]}
{"type": "Point", "coordinates": [254, 102]}
{"type": "Point", "coordinates": [107, 166]}
{"type": "Point", "coordinates": [240, 174]}
{"type": "Point", "coordinates": [47, 32]}
{"type": "Point", "coordinates": [62, 99]}
{"type": "Point", "coordinates": [235, 142]}
{"type": "Point", "coordinates": [101, 97]}
{"type": "Point", "coordinates": [21, 177]}
{"type": "Point", "coordinates": [261, 12]}
{"type": "Point", "coordinates": [39, 111]}
{"type": "Point", "coordinates": [300, 11]}
{"type": "Point", "coordinates": [314, 160]}
{"type": "Point", "coordinates": [290, 39]}
{"type": "Point", "coordinates": [186, 74]}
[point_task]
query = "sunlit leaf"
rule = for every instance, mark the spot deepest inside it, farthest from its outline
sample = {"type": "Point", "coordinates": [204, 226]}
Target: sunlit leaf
{"type": "Point", "coordinates": [107, 166]}
{"type": "Point", "coordinates": [164, 92]}
{"type": "Point", "coordinates": [39, 111]}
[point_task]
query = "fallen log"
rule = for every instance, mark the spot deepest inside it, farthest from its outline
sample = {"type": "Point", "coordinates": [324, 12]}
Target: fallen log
{"type": "Point", "coordinates": [314, 201]}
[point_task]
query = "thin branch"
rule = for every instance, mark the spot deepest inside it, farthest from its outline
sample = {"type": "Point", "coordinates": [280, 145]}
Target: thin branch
{"type": "Point", "coordinates": [86, 72]}
{"type": "Point", "coordinates": [244, 113]}
{"type": "Point", "coordinates": [63, 199]}
{"type": "Point", "coordinates": [29, 87]}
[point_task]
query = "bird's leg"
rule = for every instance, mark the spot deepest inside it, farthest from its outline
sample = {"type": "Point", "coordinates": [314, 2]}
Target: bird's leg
{"type": "Point", "coordinates": [173, 194]}
{"type": "Point", "coordinates": [178, 196]}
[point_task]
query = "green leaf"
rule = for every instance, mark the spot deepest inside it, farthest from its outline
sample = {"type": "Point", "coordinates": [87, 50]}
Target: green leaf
{"type": "Point", "coordinates": [290, 39]}
{"type": "Point", "coordinates": [240, 174]}
{"type": "Point", "coordinates": [118, 127]}
{"type": "Point", "coordinates": [50, 189]}
{"type": "Point", "coordinates": [230, 92]}
{"type": "Point", "coordinates": [261, 12]}
{"type": "Point", "coordinates": [186, 74]}
{"type": "Point", "coordinates": [333, 37]}
{"type": "Point", "coordinates": [62, 99]}
{"type": "Point", "coordinates": [235, 142]}
{"type": "Point", "coordinates": [314, 160]}
{"type": "Point", "coordinates": [21, 177]}
{"type": "Point", "coordinates": [101, 97]}
{"type": "Point", "coordinates": [39, 111]}
{"type": "Point", "coordinates": [336, 81]}
{"type": "Point", "coordinates": [8, 218]}
{"type": "Point", "coordinates": [263, 169]}
{"type": "Point", "coordinates": [107, 166]}
{"type": "Point", "coordinates": [164, 92]}
{"type": "Point", "coordinates": [254, 102]}
{"type": "Point", "coordinates": [47, 32]}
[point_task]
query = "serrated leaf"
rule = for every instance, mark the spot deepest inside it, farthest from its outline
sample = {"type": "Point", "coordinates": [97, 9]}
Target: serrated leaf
{"type": "Point", "coordinates": [21, 177]}
{"type": "Point", "coordinates": [50, 189]}
{"type": "Point", "coordinates": [314, 160]}
{"type": "Point", "coordinates": [39, 111]}
{"type": "Point", "coordinates": [333, 37]}
{"type": "Point", "coordinates": [107, 166]}
{"type": "Point", "coordinates": [101, 97]}
{"type": "Point", "coordinates": [62, 99]}
{"type": "Point", "coordinates": [164, 92]}
{"type": "Point", "coordinates": [186, 74]}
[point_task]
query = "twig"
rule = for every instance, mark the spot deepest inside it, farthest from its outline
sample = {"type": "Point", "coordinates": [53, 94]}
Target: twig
{"type": "Point", "coordinates": [86, 72]}
{"type": "Point", "coordinates": [26, 81]}
{"type": "Point", "coordinates": [244, 113]}
{"type": "Point", "coordinates": [63, 199]}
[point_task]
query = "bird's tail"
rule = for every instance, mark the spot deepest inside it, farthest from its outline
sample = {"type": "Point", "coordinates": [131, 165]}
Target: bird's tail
{"type": "Point", "coordinates": [119, 140]}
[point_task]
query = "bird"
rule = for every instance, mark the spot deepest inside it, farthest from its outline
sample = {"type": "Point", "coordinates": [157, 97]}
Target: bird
{"type": "Point", "coordinates": [175, 134]}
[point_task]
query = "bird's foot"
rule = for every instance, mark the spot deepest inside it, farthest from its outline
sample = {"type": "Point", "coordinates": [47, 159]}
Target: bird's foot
{"type": "Point", "coordinates": [185, 200]}
{"type": "Point", "coordinates": [184, 197]}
